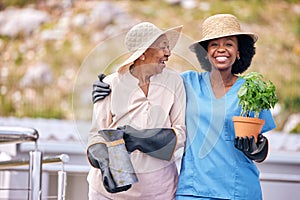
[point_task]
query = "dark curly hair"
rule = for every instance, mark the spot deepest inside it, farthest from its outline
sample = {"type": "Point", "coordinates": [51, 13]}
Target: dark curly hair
{"type": "Point", "coordinates": [245, 47]}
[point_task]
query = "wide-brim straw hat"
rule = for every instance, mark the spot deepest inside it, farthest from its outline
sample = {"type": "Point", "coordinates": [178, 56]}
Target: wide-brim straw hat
{"type": "Point", "coordinates": [221, 25]}
{"type": "Point", "coordinates": [141, 36]}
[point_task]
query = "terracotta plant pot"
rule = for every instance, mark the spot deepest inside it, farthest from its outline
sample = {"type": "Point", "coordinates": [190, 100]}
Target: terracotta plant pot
{"type": "Point", "coordinates": [247, 126]}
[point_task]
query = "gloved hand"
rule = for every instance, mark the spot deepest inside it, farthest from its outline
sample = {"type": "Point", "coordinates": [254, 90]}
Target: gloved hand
{"type": "Point", "coordinates": [100, 89]}
{"type": "Point", "coordinates": [98, 158]}
{"type": "Point", "coordinates": [158, 142]}
{"type": "Point", "coordinates": [256, 151]}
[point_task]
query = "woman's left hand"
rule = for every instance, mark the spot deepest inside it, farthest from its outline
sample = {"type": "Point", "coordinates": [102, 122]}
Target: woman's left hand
{"type": "Point", "coordinates": [256, 151]}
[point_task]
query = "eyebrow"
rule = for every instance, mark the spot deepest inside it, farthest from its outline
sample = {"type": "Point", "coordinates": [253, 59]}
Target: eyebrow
{"type": "Point", "coordinates": [165, 42]}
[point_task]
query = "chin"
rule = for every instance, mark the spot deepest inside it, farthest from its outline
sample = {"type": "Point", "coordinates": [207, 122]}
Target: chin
{"type": "Point", "coordinates": [160, 69]}
{"type": "Point", "coordinates": [223, 68]}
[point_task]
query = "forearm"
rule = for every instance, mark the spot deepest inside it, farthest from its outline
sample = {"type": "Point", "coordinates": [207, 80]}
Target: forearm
{"type": "Point", "coordinates": [180, 132]}
{"type": "Point", "coordinates": [157, 142]}
{"type": "Point", "coordinates": [177, 115]}
{"type": "Point", "coordinates": [101, 119]}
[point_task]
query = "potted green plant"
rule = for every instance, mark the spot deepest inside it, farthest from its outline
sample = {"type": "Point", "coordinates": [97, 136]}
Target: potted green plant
{"type": "Point", "coordinates": [254, 96]}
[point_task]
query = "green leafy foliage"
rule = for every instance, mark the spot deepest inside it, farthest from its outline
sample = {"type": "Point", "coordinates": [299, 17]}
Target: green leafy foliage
{"type": "Point", "coordinates": [256, 94]}
{"type": "Point", "coordinates": [66, 55]}
{"type": "Point", "coordinates": [296, 129]}
{"type": "Point", "coordinates": [20, 3]}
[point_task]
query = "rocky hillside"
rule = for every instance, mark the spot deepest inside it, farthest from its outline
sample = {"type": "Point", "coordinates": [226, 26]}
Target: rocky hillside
{"type": "Point", "coordinates": [52, 50]}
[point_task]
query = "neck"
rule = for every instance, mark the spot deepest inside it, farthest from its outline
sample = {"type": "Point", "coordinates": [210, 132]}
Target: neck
{"type": "Point", "coordinates": [221, 82]}
{"type": "Point", "coordinates": [142, 75]}
{"type": "Point", "coordinates": [226, 79]}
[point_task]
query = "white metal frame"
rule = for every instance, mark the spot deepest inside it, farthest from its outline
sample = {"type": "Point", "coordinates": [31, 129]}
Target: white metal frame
{"type": "Point", "coordinates": [9, 134]}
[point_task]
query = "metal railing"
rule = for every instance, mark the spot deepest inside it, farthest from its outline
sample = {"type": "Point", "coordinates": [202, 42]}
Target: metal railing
{"type": "Point", "coordinates": [16, 135]}
{"type": "Point", "coordinates": [11, 134]}
{"type": "Point", "coordinates": [276, 177]}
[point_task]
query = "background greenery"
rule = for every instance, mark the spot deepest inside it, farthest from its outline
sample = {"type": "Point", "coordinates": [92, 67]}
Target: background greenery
{"type": "Point", "coordinates": [277, 57]}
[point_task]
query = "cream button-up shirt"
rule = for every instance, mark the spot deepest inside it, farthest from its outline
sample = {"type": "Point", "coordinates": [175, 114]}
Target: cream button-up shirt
{"type": "Point", "coordinates": [163, 107]}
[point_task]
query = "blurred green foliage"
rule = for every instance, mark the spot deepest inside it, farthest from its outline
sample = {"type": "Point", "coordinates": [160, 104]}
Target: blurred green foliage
{"type": "Point", "coordinates": [18, 3]}
{"type": "Point", "coordinates": [296, 130]}
{"type": "Point", "coordinates": [277, 55]}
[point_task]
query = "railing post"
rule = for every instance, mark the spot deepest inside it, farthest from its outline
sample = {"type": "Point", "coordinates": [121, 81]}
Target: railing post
{"type": "Point", "coordinates": [35, 175]}
{"type": "Point", "coordinates": [20, 135]}
{"type": "Point", "coordinates": [62, 182]}
{"type": "Point", "coordinates": [62, 178]}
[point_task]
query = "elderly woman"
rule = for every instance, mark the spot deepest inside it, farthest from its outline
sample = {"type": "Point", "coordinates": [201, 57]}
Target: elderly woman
{"type": "Point", "coordinates": [147, 104]}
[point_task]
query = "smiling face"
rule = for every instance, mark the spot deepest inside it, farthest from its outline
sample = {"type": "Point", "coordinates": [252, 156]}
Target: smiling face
{"type": "Point", "coordinates": [223, 52]}
{"type": "Point", "coordinates": [157, 54]}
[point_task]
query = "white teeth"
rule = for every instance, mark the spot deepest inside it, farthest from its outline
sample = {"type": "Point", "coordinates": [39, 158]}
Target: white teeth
{"type": "Point", "coordinates": [221, 58]}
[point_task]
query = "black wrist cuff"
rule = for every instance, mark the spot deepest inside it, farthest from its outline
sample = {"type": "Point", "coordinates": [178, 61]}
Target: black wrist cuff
{"type": "Point", "coordinates": [259, 156]}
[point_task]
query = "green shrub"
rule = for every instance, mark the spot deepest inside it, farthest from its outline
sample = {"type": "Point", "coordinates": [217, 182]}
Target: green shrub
{"type": "Point", "coordinates": [18, 3]}
{"type": "Point", "coordinates": [296, 130]}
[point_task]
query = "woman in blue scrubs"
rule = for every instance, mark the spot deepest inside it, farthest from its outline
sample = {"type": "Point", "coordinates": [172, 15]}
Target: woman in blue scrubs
{"type": "Point", "coordinates": [216, 165]}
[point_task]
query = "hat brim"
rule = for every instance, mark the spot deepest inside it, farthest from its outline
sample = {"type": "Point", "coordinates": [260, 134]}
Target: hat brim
{"type": "Point", "coordinates": [252, 35]}
{"type": "Point", "coordinates": [172, 35]}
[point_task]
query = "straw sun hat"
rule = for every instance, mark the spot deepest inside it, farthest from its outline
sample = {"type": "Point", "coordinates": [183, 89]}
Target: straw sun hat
{"type": "Point", "coordinates": [221, 25]}
{"type": "Point", "coordinates": [141, 36]}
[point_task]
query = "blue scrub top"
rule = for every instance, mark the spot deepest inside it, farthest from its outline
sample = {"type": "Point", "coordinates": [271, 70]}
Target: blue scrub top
{"type": "Point", "coordinates": [212, 167]}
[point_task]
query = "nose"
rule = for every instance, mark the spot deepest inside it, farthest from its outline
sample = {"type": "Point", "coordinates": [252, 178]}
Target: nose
{"type": "Point", "coordinates": [167, 52]}
{"type": "Point", "coordinates": [221, 48]}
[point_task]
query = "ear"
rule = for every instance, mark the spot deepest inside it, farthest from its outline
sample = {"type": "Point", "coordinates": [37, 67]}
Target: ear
{"type": "Point", "coordinates": [142, 57]}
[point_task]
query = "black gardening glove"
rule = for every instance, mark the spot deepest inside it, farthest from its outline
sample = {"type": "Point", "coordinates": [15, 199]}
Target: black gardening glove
{"type": "Point", "coordinates": [98, 158]}
{"type": "Point", "coordinates": [100, 89]}
{"type": "Point", "coordinates": [256, 151]}
{"type": "Point", "coordinates": [157, 142]}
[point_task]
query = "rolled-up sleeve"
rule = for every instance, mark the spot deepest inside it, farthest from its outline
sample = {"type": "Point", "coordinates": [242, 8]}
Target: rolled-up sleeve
{"type": "Point", "coordinates": [101, 119]}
